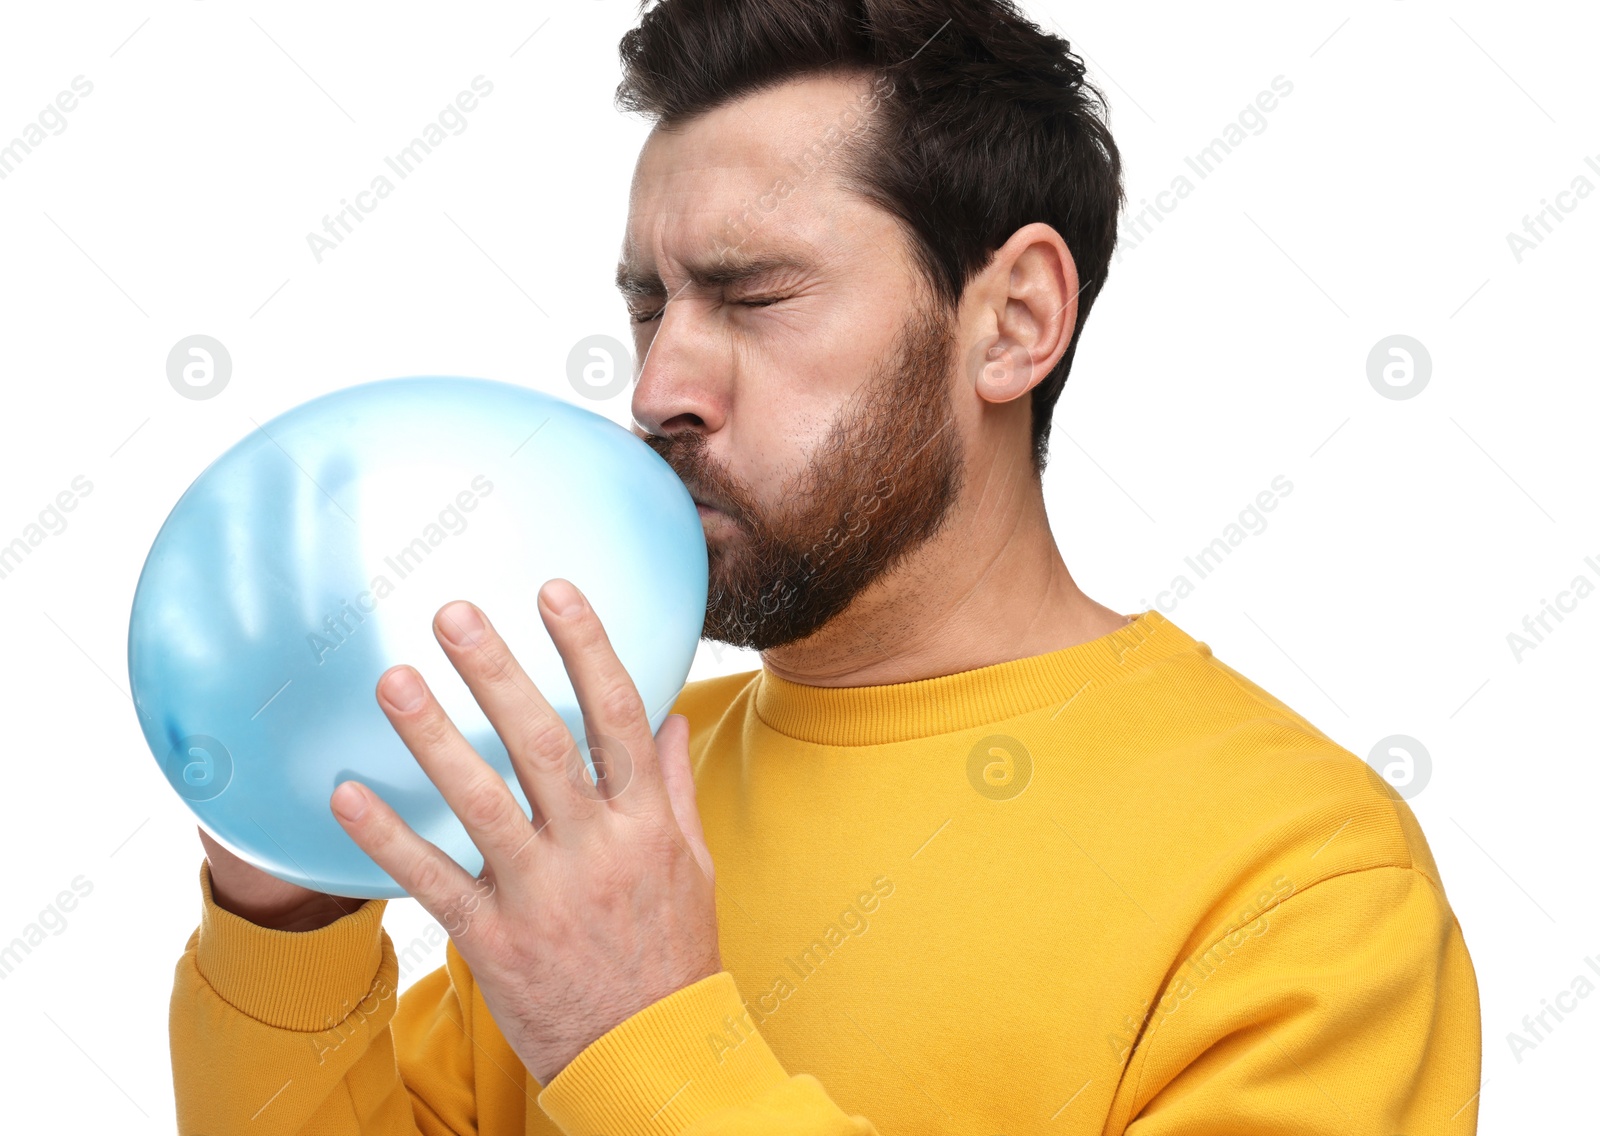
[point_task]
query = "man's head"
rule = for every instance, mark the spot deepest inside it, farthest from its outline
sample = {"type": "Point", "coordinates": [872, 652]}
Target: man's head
{"type": "Point", "coordinates": [859, 235]}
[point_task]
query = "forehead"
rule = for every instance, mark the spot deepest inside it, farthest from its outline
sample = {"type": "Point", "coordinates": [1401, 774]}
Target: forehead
{"type": "Point", "coordinates": [755, 176]}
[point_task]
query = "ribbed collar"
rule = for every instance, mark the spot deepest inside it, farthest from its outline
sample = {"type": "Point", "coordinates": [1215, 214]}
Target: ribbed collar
{"type": "Point", "coordinates": [902, 711]}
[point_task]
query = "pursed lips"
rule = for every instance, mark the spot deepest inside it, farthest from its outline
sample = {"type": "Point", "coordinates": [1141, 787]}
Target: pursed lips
{"type": "Point", "coordinates": [708, 503]}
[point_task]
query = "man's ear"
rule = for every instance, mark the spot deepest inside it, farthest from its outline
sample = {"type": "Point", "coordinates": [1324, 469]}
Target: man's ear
{"type": "Point", "coordinates": [1026, 308]}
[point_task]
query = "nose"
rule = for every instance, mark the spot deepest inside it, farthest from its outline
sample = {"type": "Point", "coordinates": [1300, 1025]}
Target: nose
{"type": "Point", "coordinates": [680, 383]}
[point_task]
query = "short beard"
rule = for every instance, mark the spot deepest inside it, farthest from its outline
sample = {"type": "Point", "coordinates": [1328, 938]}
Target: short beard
{"type": "Point", "coordinates": [881, 485]}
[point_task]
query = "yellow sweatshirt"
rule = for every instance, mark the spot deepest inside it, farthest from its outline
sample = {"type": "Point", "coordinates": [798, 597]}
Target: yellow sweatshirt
{"type": "Point", "coordinates": [1115, 888]}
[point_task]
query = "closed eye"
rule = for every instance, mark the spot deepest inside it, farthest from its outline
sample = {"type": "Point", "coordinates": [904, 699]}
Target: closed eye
{"type": "Point", "coordinates": [753, 302]}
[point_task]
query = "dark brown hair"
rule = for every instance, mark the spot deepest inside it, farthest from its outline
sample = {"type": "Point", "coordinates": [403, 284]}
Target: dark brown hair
{"type": "Point", "coordinates": [988, 123]}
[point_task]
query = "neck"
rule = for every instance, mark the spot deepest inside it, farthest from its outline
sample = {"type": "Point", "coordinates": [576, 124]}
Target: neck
{"type": "Point", "coordinates": [944, 609]}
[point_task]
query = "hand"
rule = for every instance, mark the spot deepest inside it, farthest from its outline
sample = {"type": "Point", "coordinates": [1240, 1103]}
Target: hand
{"type": "Point", "coordinates": [265, 900]}
{"type": "Point", "coordinates": [603, 902]}
{"type": "Point", "coordinates": [237, 885]}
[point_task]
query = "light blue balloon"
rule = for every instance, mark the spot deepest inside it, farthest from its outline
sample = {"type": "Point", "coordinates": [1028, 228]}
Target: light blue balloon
{"type": "Point", "coordinates": [311, 557]}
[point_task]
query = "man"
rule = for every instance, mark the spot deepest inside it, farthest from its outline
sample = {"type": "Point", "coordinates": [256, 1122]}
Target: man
{"type": "Point", "coordinates": [969, 852]}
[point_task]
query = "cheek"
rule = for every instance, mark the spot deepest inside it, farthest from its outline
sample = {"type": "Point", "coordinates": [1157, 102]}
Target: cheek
{"type": "Point", "coordinates": [773, 442]}
{"type": "Point", "coordinates": [794, 394]}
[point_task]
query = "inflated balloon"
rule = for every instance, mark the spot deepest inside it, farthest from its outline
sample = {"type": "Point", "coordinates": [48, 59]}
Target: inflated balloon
{"type": "Point", "coordinates": [312, 556]}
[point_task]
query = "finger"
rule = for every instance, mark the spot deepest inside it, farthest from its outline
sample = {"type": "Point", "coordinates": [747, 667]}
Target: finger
{"type": "Point", "coordinates": [472, 788]}
{"type": "Point", "coordinates": [677, 773]}
{"type": "Point", "coordinates": [542, 749]}
{"type": "Point", "coordinates": [614, 717]}
{"type": "Point", "coordinates": [443, 888]}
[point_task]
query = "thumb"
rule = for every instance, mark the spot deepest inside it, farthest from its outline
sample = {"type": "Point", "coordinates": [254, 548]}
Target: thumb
{"type": "Point", "coordinates": [672, 753]}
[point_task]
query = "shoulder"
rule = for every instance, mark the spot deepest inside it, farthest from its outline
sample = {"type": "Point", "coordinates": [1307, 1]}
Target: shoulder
{"type": "Point", "coordinates": [1224, 753]}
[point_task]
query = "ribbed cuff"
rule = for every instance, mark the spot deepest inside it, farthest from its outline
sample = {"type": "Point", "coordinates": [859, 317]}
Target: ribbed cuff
{"type": "Point", "coordinates": [675, 1061]}
{"type": "Point", "coordinates": [295, 980]}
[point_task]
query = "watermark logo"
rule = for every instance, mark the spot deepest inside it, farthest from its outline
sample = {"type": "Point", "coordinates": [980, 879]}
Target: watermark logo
{"type": "Point", "coordinates": [1251, 521]}
{"type": "Point", "coordinates": [1536, 626]}
{"type": "Point", "coordinates": [1537, 1028]}
{"type": "Point", "coordinates": [451, 120]}
{"type": "Point", "coordinates": [1252, 923]}
{"type": "Point", "coordinates": [199, 767]}
{"type": "Point", "coordinates": [1402, 763]}
{"type": "Point", "coordinates": [338, 1032]}
{"type": "Point", "coordinates": [600, 367]}
{"type": "Point", "coordinates": [51, 522]}
{"type": "Point", "coordinates": [852, 123]}
{"type": "Point", "coordinates": [53, 118]}
{"type": "Point", "coordinates": [52, 919]}
{"type": "Point", "coordinates": [994, 364]}
{"type": "Point", "coordinates": [1541, 224]}
{"type": "Point", "coordinates": [613, 769]}
{"type": "Point", "coordinates": [1398, 367]}
{"type": "Point", "coordinates": [999, 767]}
{"type": "Point", "coordinates": [199, 367]}
{"type": "Point", "coordinates": [1250, 121]}
{"type": "Point", "coordinates": [338, 627]}
{"type": "Point", "coordinates": [853, 922]}
{"type": "Point", "coordinates": [458, 916]}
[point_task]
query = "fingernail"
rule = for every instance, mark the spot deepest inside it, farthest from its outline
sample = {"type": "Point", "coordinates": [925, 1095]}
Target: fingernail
{"type": "Point", "coordinates": [461, 623]}
{"type": "Point", "coordinates": [403, 689]}
{"type": "Point", "coordinates": [349, 801]}
{"type": "Point", "coordinates": [563, 598]}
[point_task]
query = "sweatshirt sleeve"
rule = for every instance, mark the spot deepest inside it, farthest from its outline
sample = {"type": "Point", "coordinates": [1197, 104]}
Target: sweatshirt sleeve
{"type": "Point", "coordinates": [1351, 1006]}
{"type": "Point", "coordinates": [666, 1071]}
{"type": "Point", "coordinates": [279, 1032]}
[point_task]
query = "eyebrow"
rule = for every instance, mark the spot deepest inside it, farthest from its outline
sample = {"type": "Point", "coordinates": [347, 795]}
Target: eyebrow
{"type": "Point", "coordinates": [734, 268]}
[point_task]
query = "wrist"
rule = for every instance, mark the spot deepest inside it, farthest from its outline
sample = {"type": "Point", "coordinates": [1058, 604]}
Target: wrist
{"type": "Point", "coordinates": [310, 916]}
{"type": "Point", "coordinates": [298, 982]}
{"type": "Point", "coordinates": [309, 912]}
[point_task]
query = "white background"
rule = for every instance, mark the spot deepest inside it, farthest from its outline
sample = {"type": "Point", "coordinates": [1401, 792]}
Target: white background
{"type": "Point", "coordinates": [1229, 347]}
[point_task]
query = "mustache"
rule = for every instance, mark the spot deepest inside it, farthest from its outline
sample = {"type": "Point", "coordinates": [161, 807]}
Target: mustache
{"type": "Point", "coordinates": [686, 455]}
